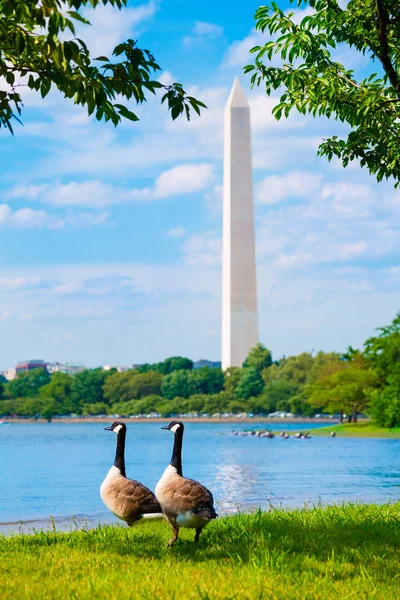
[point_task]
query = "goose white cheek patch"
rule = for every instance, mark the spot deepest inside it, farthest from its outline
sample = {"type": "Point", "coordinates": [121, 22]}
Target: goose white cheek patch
{"type": "Point", "coordinates": [175, 428]}
{"type": "Point", "coordinates": [117, 429]}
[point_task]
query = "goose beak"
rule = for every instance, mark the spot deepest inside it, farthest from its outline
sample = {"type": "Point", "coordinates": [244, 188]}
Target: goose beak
{"type": "Point", "coordinates": [165, 427]}
{"type": "Point", "coordinates": [107, 429]}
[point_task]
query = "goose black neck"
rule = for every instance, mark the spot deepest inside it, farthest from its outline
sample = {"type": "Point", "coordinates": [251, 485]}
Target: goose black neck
{"type": "Point", "coordinates": [176, 460]}
{"type": "Point", "coordinates": [119, 461]}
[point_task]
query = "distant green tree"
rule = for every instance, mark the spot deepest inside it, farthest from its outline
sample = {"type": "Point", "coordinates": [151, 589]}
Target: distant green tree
{"type": "Point", "coordinates": [87, 386]}
{"type": "Point", "coordinates": [382, 352]}
{"type": "Point", "coordinates": [285, 381]}
{"type": "Point", "coordinates": [176, 384]}
{"type": "Point", "coordinates": [49, 409]}
{"type": "Point", "coordinates": [250, 384]}
{"type": "Point", "coordinates": [259, 358]}
{"type": "Point", "coordinates": [169, 365]}
{"type": "Point", "coordinates": [384, 406]}
{"type": "Point", "coordinates": [3, 382]}
{"type": "Point", "coordinates": [143, 406]}
{"type": "Point", "coordinates": [28, 384]}
{"type": "Point", "coordinates": [122, 387]}
{"type": "Point", "coordinates": [206, 381]}
{"type": "Point", "coordinates": [278, 394]}
{"type": "Point", "coordinates": [97, 408]}
{"type": "Point", "coordinates": [145, 384]}
{"type": "Point", "coordinates": [117, 386]}
{"type": "Point", "coordinates": [348, 389]}
{"type": "Point", "coordinates": [232, 376]}
{"type": "Point", "coordinates": [59, 389]}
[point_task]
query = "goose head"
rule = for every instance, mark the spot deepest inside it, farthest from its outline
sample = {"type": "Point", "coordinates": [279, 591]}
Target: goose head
{"type": "Point", "coordinates": [116, 427]}
{"type": "Point", "coordinates": [174, 426]}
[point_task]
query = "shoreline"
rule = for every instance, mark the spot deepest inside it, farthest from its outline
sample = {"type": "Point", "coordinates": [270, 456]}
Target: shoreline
{"type": "Point", "coordinates": [91, 420]}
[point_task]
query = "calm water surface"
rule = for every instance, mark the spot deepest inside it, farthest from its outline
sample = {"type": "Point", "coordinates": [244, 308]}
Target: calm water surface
{"type": "Point", "coordinates": [56, 469]}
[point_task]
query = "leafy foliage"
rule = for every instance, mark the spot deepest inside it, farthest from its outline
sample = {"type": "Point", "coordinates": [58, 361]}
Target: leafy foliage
{"type": "Point", "coordinates": [344, 387]}
{"type": "Point", "coordinates": [28, 384]}
{"type": "Point", "coordinates": [250, 384]}
{"type": "Point", "coordinates": [169, 365]}
{"type": "Point", "coordinates": [365, 380]}
{"type": "Point", "coordinates": [38, 49]}
{"type": "Point", "coordinates": [122, 387]}
{"type": "Point", "coordinates": [259, 357]}
{"type": "Point", "coordinates": [310, 80]}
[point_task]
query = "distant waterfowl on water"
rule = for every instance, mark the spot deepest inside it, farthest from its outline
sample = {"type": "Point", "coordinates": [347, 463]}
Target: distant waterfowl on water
{"type": "Point", "coordinates": [185, 502]}
{"type": "Point", "coordinates": [127, 499]}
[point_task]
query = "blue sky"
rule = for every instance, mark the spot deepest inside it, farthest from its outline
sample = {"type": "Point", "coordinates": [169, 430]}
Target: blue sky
{"type": "Point", "coordinates": [110, 239]}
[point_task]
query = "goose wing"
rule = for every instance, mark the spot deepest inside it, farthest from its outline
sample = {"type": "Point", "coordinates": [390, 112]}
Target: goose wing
{"type": "Point", "coordinates": [191, 495]}
{"type": "Point", "coordinates": [139, 495]}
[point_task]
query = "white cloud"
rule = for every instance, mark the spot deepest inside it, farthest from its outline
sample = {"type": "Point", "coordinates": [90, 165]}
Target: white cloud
{"type": "Point", "coordinates": [18, 283]}
{"type": "Point", "coordinates": [178, 181]}
{"type": "Point", "coordinates": [88, 219]}
{"type": "Point", "coordinates": [262, 118]}
{"type": "Point", "coordinates": [111, 26]}
{"type": "Point", "coordinates": [184, 179]}
{"type": "Point", "coordinates": [203, 31]}
{"type": "Point", "coordinates": [352, 250]}
{"type": "Point", "coordinates": [349, 199]}
{"type": "Point", "coordinates": [201, 250]}
{"type": "Point", "coordinates": [296, 184]}
{"type": "Point", "coordinates": [238, 54]}
{"type": "Point", "coordinates": [5, 314]}
{"type": "Point", "coordinates": [176, 232]}
{"type": "Point", "coordinates": [27, 218]}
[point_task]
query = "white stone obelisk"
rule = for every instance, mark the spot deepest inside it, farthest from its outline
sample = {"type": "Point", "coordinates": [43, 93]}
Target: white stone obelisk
{"type": "Point", "coordinates": [239, 286]}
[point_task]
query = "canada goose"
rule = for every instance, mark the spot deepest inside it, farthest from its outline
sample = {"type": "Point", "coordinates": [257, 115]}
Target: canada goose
{"type": "Point", "coordinates": [185, 502]}
{"type": "Point", "coordinates": [127, 499]}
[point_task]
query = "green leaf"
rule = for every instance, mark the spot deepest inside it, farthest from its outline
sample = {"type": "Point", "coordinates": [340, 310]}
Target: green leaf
{"type": "Point", "coordinates": [124, 112]}
{"type": "Point", "coordinates": [77, 17]}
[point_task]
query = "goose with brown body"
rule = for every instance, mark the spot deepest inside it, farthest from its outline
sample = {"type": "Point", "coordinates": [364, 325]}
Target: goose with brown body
{"type": "Point", "coordinates": [127, 499]}
{"type": "Point", "coordinates": [185, 502]}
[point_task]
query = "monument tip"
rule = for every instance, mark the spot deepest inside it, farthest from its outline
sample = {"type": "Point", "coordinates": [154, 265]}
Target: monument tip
{"type": "Point", "coordinates": [237, 97]}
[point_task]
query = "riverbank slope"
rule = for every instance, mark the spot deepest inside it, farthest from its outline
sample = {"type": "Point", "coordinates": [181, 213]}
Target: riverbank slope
{"type": "Point", "coordinates": [358, 430]}
{"type": "Point", "coordinates": [323, 554]}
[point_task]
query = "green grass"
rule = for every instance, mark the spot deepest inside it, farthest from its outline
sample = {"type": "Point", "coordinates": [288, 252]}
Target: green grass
{"type": "Point", "coordinates": [339, 552]}
{"type": "Point", "coordinates": [365, 429]}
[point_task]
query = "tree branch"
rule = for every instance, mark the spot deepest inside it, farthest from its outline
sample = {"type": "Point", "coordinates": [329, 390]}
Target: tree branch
{"type": "Point", "coordinates": [384, 55]}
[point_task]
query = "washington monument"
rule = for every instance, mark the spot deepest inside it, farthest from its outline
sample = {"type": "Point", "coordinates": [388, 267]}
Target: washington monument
{"type": "Point", "coordinates": [239, 286]}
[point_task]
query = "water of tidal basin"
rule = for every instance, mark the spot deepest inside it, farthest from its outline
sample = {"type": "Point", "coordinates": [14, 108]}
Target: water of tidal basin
{"type": "Point", "coordinates": [56, 469]}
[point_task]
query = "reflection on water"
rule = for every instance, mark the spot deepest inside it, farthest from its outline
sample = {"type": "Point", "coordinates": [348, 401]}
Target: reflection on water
{"type": "Point", "coordinates": [57, 469]}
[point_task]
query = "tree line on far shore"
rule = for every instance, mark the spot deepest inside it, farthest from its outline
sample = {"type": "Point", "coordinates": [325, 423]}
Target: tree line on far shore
{"type": "Point", "coordinates": [358, 381]}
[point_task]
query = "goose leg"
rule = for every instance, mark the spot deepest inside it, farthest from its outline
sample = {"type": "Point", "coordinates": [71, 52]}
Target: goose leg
{"type": "Point", "coordinates": [175, 531]}
{"type": "Point", "coordinates": [198, 532]}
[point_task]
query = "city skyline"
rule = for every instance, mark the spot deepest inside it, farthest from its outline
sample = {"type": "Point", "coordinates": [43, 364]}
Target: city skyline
{"type": "Point", "coordinates": [110, 239]}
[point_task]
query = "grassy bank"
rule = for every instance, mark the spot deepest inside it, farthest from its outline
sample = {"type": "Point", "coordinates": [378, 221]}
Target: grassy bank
{"type": "Point", "coordinates": [337, 552]}
{"type": "Point", "coordinates": [365, 429]}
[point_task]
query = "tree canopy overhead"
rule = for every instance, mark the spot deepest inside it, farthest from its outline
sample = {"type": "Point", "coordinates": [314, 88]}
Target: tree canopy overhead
{"type": "Point", "coordinates": [312, 81]}
{"type": "Point", "coordinates": [38, 49]}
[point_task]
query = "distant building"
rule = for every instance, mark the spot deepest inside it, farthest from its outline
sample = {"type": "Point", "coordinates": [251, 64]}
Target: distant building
{"type": "Point", "coordinates": [119, 369]}
{"type": "Point", "coordinates": [9, 374]}
{"type": "Point", "coordinates": [207, 363]}
{"type": "Point", "coordinates": [28, 365]}
{"type": "Point", "coordinates": [68, 368]}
